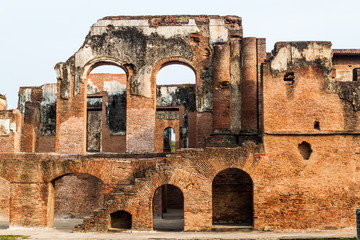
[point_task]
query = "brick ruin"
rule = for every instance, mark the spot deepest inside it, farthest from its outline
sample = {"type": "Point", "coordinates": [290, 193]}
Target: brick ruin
{"type": "Point", "coordinates": [261, 140]}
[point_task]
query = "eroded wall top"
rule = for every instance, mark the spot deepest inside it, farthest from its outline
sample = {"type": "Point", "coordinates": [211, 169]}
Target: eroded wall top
{"type": "Point", "coordinates": [138, 43]}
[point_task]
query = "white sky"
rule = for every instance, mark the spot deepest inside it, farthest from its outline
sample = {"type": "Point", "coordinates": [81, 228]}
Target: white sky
{"type": "Point", "coordinates": [37, 34]}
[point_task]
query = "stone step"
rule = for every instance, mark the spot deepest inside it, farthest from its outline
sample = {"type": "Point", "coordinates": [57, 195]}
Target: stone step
{"type": "Point", "coordinates": [231, 228]}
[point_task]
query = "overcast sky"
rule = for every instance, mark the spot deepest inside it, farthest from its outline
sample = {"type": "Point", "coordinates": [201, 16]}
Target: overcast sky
{"type": "Point", "coordinates": [37, 34]}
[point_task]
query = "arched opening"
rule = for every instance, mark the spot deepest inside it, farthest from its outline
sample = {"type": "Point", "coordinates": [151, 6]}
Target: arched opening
{"type": "Point", "coordinates": [232, 201]}
{"type": "Point", "coordinates": [176, 101]}
{"type": "Point", "coordinates": [175, 74]}
{"type": "Point", "coordinates": [106, 109]}
{"type": "Point", "coordinates": [169, 140]}
{"type": "Point", "coordinates": [76, 196]}
{"type": "Point", "coordinates": [4, 203]}
{"type": "Point", "coordinates": [168, 208]}
{"type": "Point", "coordinates": [120, 220]}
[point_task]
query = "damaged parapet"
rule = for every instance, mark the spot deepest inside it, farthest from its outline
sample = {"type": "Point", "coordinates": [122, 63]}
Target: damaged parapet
{"type": "Point", "coordinates": [302, 93]}
{"type": "Point", "coordinates": [10, 128]}
{"type": "Point", "coordinates": [3, 102]}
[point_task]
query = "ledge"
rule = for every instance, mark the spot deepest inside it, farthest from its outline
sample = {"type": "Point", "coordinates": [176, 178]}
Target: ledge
{"type": "Point", "coordinates": [313, 133]}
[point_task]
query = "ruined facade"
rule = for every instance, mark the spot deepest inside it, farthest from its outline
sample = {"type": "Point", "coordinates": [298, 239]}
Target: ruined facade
{"type": "Point", "coordinates": [261, 140]}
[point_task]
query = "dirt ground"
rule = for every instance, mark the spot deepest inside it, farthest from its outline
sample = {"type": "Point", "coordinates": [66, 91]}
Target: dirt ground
{"type": "Point", "coordinates": [63, 230]}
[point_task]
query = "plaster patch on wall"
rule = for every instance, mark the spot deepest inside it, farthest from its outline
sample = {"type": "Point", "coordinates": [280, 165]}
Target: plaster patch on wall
{"type": "Point", "coordinates": [48, 110]}
{"type": "Point", "coordinates": [116, 107]}
{"type": "Point", "coordinates": [91, 88]}
{"type": "Point", "coordinates": [292, 53]}
{"type": "Point", "coordinates": [114, 87]}
{"type": "Point", "coordinates": [344, 75]}
{"type": "Point", "coordinates": [4, 127]}
{"type": "Point", "coordinates": [13, 126]}
{"type": "Point", "coordinates": [23, 98]}
{"type": "Point", "coordinates": [143, 25]}
{"type": "Point", "coordinates": [218, 31]}
{"type": "Point", "coordinates": [143, 82]}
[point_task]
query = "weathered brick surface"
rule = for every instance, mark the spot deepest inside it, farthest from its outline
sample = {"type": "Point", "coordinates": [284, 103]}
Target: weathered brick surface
{"type": "Point", "coordinates": [273, 138]}
{"type": "Point", "coordinates": [4, 199]}
{"type": "Point", "coordinates": [78, 196]}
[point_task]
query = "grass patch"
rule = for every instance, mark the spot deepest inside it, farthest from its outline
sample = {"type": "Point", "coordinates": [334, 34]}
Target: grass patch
{"type": "Point", "coordinates": [354, 238]}
{"type": "Point", "coordinates": [13, 237]}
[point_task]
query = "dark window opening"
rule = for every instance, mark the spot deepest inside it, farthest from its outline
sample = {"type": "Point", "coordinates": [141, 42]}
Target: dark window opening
{"type": "Point", "coordinates": [305, 150]}
{"type": "Point", "coordinates": [317, 125]}
{"type": "Point", "coordinates": [356, 74]}
{"type": "Point", "coordinates": [121, 220]}
{"type": "Point", "coordinates": [289, 78]}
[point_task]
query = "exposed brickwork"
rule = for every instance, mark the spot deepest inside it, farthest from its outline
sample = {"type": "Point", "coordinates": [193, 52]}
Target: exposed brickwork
{"type": "Point", "coordinates": [77, 196]}
{"type": "Point", "coordinates": [4, 199]}
{"type": "Point", "coordinates": [273, 138]}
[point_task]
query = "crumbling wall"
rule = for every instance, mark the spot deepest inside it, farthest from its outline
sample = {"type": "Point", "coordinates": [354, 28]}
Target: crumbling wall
{"type": "Point", "coordinates": [11, 122]}
{"type": "Point", "coordinates": [310, 137]}
{"type": "Point", "coordinates": [3, 102]}
{"type": "Point", "coordinates": [38, 104]}
{"type": "Point", "coordinates": [301, 95]}
{"type": "Point", "coordinates": [346, 61]}
{"type": "Point", "coordinates": [142, 46]}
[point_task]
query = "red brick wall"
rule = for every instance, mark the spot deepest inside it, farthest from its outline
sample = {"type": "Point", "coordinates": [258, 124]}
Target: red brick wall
{"type": "Point", "coordinates": [296, 107]}
{"type": "Point", "coordinates": [4, 199]}
{"type": "Point", "coordinates": [11, 142]}
{"type": "Point", "coordinates": [77, 196]}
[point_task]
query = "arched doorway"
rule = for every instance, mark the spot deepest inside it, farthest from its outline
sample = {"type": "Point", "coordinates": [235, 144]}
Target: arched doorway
{"type": "Point", "coordinates": [106, 109]}
{"type": "Point", "coordinates": [176, 101]}
{"type": "Point", "coordinates": [169, 140]}
{"type": "Point", "coordinates": [76, 196]}
{"type": "Point", "coordinates": [4, 203]}
{"type": "Point", "coordinates": [120, 220]}
{"type": "Point", "coordinates": [168, 208]}
{"type": "Point", "coordinates": [232, 198]}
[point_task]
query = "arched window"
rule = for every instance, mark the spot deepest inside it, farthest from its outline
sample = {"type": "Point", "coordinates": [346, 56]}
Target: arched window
{"type": "Point", "coordinates": [356, 74]}
{"type": "Point", "coordinates": [175, 74]}
{"type": "Point", "coordinates": [168, 208]}
{"type": "Point", "coordinates": [232, 202]}
{"type": "Point", "coordinates": [176, 90]}
{"type": "Point", "coordinates": [106, 107]}
{"type": "Point", "coordinates": [169, 140]}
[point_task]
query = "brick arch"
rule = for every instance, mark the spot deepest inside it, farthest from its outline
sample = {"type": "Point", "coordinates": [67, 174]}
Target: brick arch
{"type": "Point", "coordinates": [169, 61]}
{"type": "Point", "coordinates": [142, 202]}
{"type": "Point", "coordinates": [92, 168]}
{"type": "Point", "coordinates": [101, 61]}
{"type": "Point", "coordinates": [74, 173]}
